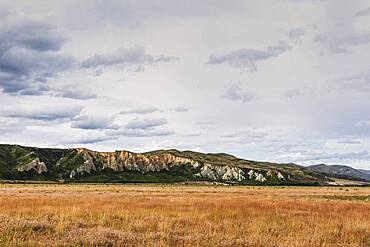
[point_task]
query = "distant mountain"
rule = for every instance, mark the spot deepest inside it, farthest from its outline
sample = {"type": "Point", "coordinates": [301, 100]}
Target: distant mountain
{"type": "Point", "coordinates": [341, 171]}
{"type": "Point", "coordinates": [364, 171]}
{"type": "Point", "coordinates": [83, 165]}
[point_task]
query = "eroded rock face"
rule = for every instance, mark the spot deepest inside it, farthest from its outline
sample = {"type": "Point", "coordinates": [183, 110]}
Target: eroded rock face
{"type": "Point", "coordinates": [120, 161]}
{"type": "Point", "coordinates": [124, 160]}
{"type": "Point", "coordinates": [215, 172]}
{"type": "Point", "coordinates": [35, 165]}
{"type": "Point", "coordinates": [275, 174]}
{"type": "Point", "coordinates": [256, 176]}
{"type": "Point", "coordinates": [87, 166]}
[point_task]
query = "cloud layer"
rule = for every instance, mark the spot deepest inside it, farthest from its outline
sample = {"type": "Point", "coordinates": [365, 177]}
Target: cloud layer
{"type": "Point", "coordinates": [139, 75]}
{"type": "Point", "coordinates": [248, 58]}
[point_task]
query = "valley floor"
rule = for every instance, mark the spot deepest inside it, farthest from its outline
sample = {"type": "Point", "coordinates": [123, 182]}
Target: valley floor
{"type": "Point", "coordinates": [183, 215]}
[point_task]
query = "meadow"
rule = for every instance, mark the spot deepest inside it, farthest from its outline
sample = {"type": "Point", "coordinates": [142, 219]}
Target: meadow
{"type": "Point", "coordinates": [183, 215]}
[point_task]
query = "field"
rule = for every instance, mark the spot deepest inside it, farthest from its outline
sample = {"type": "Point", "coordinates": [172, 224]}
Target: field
{"type": "Point", "coordinates": [182, 215]}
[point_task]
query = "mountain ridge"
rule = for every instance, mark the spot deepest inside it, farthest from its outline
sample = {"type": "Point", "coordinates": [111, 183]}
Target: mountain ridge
{"type": "Point", "coordinates": [341, 171]}
{"type": "Point", "coordinates": [84, 165]}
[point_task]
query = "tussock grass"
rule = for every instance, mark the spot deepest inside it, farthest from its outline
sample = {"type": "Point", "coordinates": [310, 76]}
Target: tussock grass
{"type": "Point", "coordinates": [169, 215]}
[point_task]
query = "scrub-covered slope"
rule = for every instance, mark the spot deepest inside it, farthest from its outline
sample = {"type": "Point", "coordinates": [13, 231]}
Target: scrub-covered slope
{"type": "Point", "coordinates": [22, 163]}
{"type": "Point", "coordinates": [341, 171]}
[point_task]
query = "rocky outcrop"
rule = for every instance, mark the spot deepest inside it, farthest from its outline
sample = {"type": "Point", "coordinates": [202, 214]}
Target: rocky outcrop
{"type": "Point", "coordinates": [215, 172]}
{"type": "Point", "coordinates": [35, 165]}
{"type": "Point", "coordinates": [256, 176]}
{"type": "Point", "coordinates": [120, 161]}
{"type": "Point", "coordinates": [275, 174]}
{"type": "Point", "coordinates": [87, 166]}
{"type": "Point", "coordinates": [124, 160]}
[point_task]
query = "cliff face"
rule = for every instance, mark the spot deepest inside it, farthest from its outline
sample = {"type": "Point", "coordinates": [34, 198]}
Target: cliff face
{"type": "Point", "coordinates": [18, 162]}
{"type": "Point", "coordinates": [120, 161]}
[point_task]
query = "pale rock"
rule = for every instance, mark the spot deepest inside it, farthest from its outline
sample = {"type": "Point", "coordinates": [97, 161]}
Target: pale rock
{"type": "Point", "coordinates": [35, 165]}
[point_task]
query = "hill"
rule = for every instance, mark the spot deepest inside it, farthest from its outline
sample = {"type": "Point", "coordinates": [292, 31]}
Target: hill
{"type": "Point", "coordinates": [341, 171]}
{"type": "Point", "coordinates": [83, 165]}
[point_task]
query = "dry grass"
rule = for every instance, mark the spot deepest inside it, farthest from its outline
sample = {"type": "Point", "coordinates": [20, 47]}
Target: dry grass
{"type": "Point", "coordinates": [155, 215]}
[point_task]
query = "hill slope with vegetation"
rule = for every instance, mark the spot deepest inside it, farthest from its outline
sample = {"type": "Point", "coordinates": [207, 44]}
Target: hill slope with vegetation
{"type": "Point", "coordinates": [83, 165]}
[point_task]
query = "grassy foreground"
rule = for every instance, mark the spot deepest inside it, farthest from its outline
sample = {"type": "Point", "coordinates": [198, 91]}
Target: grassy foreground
{"type": "Point", "coordinates": [176, 215]}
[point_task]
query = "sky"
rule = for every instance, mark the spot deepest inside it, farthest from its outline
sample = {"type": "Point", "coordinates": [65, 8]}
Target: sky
{"type": "Point", "coordinates": [281, 81]}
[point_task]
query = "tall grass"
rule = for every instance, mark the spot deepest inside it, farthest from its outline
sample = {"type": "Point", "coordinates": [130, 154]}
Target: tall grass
{"type": "Point", "coordinates": [142, 215]}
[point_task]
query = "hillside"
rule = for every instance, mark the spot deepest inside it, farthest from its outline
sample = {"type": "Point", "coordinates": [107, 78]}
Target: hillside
{"type": "Point", "coordinates": [341, 171]}
{"type": "Point", "coordinates": [83, 165]}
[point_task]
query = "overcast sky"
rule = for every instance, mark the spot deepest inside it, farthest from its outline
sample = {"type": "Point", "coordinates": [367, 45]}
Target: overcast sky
{"type": "Point", "coordinates": [277, 80]}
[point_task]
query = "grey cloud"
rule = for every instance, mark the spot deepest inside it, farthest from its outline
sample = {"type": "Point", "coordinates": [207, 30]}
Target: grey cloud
{"type": "Point", "coordinates": [29, 54]}
{"type": "Point", "coordinates": [11, 126]}
{"type": "Point", "coordinates": [295, 34]}
{"type": "Point", "coordinates": [145, 123]}
{"type": "Point", "coordinates": [362, 124]}
{"type": "Point", "coordinates": [292, 93]}
{"type": "Point", "coordinates": [363, 12]}
{"type": "Point", "coordinates": [152, 132]}
{"type": "Point", "coordinates": [88, 139]}
{"type": "Point", "coordinates": [349, 142]}
{"type": "Point", "coordinates": [341, 43]}
{"type": "Point", "coordinates": [141, 111]}
{"type": "Point", "coordinates": [359, 83]}
{"type": "Point", "coordinates": [42, 113]}
{"type": "Point", "coordinates": [320, 156]}
{"type": "Point", "coordinates": [93, 122]}
{"type": "Point", "coordinates": [246, 134]}
{"type": "Point", "coordinates": [74, 94]}
{"type": "Point", "coordinates": [143, 127]}
{"type": "Point", "coordinates": [235, 93]}
{"type": "Point", "coordinates": [248, 58]}
{"type": "Point", "coordinates": [124, 57]}
{"type": "Point", "coordinates": [180, 109]}
{"type": "Point", "coordinates": [136, 14]}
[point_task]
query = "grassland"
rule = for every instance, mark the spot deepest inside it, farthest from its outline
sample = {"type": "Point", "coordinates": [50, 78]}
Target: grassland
{"type": "Point", "coordinates": [179, 215]}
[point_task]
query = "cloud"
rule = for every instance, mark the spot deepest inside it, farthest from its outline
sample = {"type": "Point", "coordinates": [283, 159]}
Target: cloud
{"type": "Point", "coordinates": [145, 123]}
{"type": "Point", "coordinates": [93, 122]}
{"type": "Point", "coordinates": [336, 43]}
{"type": "Point", "coordinates": [362, 124]}
{"type": "Point", "coordinates": [349, 142]}
{"type": "Point", "coordinates": [335, 157]}
{"type": "Point", "coordinates": [124, 57]}
{"type": "Point", "coordinates": [151, 132]}
{"type": "Point", "coordinates": [140, 111]}
{"type": "Point", "coordinates": [74, 94]}
{"type": "Point", "coordinates": [235, 93]}
{"type": "Point", "coordinates": [292, 93]}
{"type": "Point", "coordinates": [143, 127]}
{"type": "Point", "coordinates": [249, 134]}
{"type": "Point", "coordinates": [11, 126]}
{"type": "Point", "coordinates": [29, 53]}
{"type": "Point", "coordinates": [359, 83]}
{"type": "Point", "coordinates": [88, 139]}
{"type": "Point", "coordinates": [363, 12]}
{"type": "Point", "coordinates": [295, 34]}
{"type": "Point", "coordinates": [42, 113]}
{"type": "Point", "coordinates": [248, 58]}
{"type": "Point", "coordinates": [180, 109]}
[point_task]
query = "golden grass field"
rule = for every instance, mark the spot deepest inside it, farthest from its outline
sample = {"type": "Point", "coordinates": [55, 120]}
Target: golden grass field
{"type": "Point", "coordinates": [182, 215]}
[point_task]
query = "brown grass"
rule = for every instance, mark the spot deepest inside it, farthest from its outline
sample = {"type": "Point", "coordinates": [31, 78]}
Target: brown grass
{"type": "Point", "coordinates": [156, 215]}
